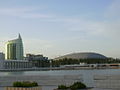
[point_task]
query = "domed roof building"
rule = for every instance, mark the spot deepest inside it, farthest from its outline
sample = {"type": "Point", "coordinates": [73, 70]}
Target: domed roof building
{"type": "Point", "coordinates": [84, 55]}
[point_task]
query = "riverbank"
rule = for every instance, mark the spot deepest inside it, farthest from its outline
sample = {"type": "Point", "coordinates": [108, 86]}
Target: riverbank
{"type": "Point", "coordinates": [56, 68]}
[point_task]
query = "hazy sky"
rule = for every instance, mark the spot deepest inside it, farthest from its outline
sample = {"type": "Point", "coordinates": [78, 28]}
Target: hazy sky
{"type": "Point", "coordinates": [58, 27]}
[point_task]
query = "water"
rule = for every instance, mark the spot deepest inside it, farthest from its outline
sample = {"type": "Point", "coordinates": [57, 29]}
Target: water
{"type": "Point", "coordinates": [87, 74]}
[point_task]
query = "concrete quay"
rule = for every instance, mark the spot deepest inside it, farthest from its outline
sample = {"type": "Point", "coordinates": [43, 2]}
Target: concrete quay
{"type": "Point", "coordinates": [21, 88]}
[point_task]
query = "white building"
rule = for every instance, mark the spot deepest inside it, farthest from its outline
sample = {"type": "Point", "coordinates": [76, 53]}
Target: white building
{"type": "Point", "coordinates": [15, 64]}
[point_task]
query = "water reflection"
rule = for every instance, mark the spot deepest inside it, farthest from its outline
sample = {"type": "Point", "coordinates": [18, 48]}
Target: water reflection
{"type": "Point", "coordinates": [11, 73]}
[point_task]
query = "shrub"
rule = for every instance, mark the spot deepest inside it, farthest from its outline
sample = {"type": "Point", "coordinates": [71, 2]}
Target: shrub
{"type": "Point", "coordinates": [35, 84]}
{"type": "Point", "coordinates": [25, 84]}
{"type": "Point", "coordinates": [77, 85]}
{"type": "Point", "coordinates": [17, 84]}
{"type": "Point", "coordinates": [62, 87]}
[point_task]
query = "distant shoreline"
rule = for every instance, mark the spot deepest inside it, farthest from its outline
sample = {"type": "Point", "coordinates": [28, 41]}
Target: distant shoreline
{"type": "Point", "coordinates": [57, 68]}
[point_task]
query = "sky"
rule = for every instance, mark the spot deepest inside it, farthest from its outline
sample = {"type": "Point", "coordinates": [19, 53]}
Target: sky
{"type": "Point", "coordinates": [58, 27]}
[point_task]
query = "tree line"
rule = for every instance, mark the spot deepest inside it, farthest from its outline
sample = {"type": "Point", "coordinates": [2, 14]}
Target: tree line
{"type": "Point", "coordinates": [70, 61]}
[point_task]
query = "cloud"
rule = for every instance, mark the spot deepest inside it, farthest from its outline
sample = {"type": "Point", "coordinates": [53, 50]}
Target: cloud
{"type": "Point", "coordinates": [107, 27]}
{"type": "Point", "coordinates": [37, 44]}
{"type": "Point", "coordinates": [23, 12]}
{"type": "Point", "coordinates": [81, 25]}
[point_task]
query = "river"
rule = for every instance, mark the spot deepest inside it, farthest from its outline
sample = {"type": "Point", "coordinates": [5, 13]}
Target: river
{"type": "Point", "coordinates": [87, 74]}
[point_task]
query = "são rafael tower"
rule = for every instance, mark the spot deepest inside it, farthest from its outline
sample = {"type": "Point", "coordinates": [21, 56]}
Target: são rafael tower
{"type": "Point", "coordinates": [14, 49]}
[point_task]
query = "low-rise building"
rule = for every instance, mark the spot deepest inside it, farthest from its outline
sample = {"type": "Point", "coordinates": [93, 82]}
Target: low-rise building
{"type": "Point", "coordinates": [38, 60]}
{"type": "Point", "coordinates": [35, 57]}
{"type": "Point", "coordinates": [2, 56]}
{"type": "Point", "coordinates": [15, 64]}
{"type": "Point", "coordinates": [31, 61]}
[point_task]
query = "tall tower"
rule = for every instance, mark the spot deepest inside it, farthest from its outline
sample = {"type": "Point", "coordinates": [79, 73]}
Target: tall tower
{"type": "Point", "coordinates": [14, 49]}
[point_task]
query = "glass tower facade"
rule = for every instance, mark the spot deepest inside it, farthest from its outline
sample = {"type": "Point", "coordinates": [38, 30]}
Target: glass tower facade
{"type": "Point", "coordinates": [14, 49]}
